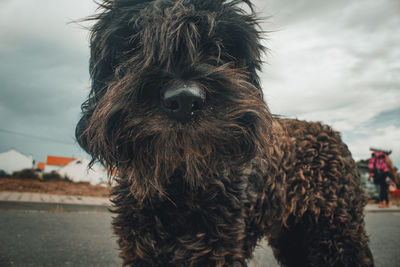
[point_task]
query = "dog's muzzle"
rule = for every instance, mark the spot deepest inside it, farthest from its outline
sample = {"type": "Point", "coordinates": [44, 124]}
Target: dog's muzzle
{"type": "Point", "coordinates": [182, 103]}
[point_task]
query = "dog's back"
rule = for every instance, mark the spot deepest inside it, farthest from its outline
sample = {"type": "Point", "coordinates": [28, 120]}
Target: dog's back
{"type": "Point", "coordinates": [322, 210]}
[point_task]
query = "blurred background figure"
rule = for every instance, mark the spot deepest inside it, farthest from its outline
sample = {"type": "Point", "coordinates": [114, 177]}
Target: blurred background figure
{"type": "Point", "coordinates": [382, 170]}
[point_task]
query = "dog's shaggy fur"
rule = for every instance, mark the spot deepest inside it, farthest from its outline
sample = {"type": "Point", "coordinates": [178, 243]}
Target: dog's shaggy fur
{"type": "Point", "coordinates": [204, 192]}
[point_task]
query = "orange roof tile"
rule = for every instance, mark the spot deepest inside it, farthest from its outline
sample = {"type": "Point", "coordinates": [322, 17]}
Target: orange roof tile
{"type": "Point", "coordinates": [58, 161]}
{"type": "Point", "coordinates": [40, 165]}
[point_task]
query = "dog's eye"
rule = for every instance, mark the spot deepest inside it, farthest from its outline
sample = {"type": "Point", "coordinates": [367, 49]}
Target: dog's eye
{"type": "Point", "coordinates": [151, 89]}
{"type": "Point", "coordinates": [149, 93]}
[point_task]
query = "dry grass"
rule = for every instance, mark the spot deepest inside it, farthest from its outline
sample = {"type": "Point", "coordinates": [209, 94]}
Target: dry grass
{"type": "Point", "coordinates": [53, 187]}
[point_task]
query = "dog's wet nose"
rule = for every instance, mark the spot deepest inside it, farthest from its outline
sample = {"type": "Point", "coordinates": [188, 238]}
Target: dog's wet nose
{"type": "Point", "coordinates": [184, 102]}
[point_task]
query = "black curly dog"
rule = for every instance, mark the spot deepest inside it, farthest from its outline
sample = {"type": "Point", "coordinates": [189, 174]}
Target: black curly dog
{"type": "Point", "coordinates": [203, 170]}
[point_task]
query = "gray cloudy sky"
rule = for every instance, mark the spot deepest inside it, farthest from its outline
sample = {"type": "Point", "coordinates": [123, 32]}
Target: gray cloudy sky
{"type": "Point", "coordinates": [331, 61]}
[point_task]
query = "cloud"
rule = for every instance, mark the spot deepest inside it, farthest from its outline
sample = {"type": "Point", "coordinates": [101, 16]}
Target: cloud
{"type": "Point", "coordinates": [44, 73]}
{"type": "Point", "coordinates": [46, 20]}
{"type": "Point", "coordinates": [390, 117]}
{"type": "Point", "coordinates": [42, 84]}
{"type": "Point", "coordinates": [336, 62]}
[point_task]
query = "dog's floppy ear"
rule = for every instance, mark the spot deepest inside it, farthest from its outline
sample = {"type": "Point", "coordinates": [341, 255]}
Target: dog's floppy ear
{"type": "Point", "coordinates": [110, 40]}
{"type": "Point", "coordinates": [108, 45]}
{"type": "Point", "coordinates": [79, 133]}
{"type": "Point", "coordinates": [241, 35]}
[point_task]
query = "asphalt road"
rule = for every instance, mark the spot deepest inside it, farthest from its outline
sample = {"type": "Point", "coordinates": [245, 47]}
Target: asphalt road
{"type": "Point", "coordinates": [86, 239]}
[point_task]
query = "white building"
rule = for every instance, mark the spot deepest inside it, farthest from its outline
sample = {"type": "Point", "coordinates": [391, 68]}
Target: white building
{"type": "Point", "coordinates": [78, 171]}
{"type": "Point", "coordinates": [54, 163]}
{"type": "Point", "coordinates": [13, 160]}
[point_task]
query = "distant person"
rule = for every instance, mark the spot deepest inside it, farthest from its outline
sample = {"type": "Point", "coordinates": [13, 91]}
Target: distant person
{"type": "Point", "coordinates": [380, 167]}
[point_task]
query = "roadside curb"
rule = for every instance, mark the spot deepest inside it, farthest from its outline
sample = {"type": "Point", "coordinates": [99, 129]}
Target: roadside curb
{"type": "Point", "coordinates": [376, 209]}
{"type": "Point", "coordinates": [67, 203]}
{"type": "Point", "coordinates": [50, 202]}
{"type": "Point", "coordinates": [68, 207]}
{"type": "Point", "coordinates": [52, 207]}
